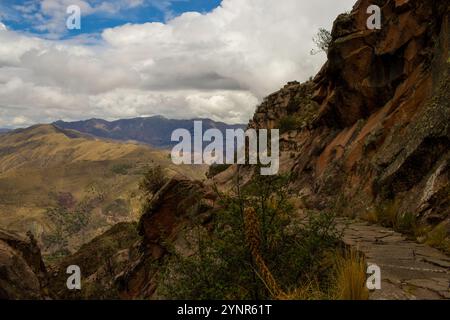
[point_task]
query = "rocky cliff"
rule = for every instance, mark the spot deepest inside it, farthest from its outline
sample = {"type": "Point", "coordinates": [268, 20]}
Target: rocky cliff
{"type": "Point", "coordinates": [374, 125]}
{"type": "Point", "coordinates": [368, 137]}
{"type": "Point", "coordinates": [22, 271]}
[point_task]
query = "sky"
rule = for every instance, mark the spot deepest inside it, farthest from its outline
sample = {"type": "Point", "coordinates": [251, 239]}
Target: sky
{"type": "Point", "coordinates": [176, 58]}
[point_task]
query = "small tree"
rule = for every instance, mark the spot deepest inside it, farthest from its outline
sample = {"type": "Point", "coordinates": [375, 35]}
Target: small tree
{"type": "Point", "coordinates": [153, 180]}
{"type": "Point", "coordinates": [322, 40]}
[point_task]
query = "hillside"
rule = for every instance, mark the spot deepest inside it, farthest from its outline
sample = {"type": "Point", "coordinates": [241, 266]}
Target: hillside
{"type": "Point", "coordinates": [50, 176]}
{"type": "Point", "coordinates": [365, 180]}
{"type": "Point", "coordinates": [155, 131]}
{"type": "Point", "coordinates": [374, 123]}
{"type": "Point", "coordinates": [367, 140]}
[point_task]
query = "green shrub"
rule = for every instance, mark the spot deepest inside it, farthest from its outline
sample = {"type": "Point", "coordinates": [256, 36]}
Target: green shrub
{"type": "Point", "coordinates": [322, 40]}
{"type": "Point", "coordinates": [439, 238]}
{"type": "Point", "coordinates": [153, 180]}
{"type": "Point", "coordinates": [121, 169]}
{"type": "Point", "coordinates": [223, 265]}
{"type": "Point", "coordinates": [288, 123]}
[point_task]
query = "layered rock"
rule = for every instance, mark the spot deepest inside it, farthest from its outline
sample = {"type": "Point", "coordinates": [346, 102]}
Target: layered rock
{"type": "Point", "coordinates": [376, 126]}
{"type": "Point", "coordinates": [22, 271]}
{"type": "Point", "coordinates": [179, 204]}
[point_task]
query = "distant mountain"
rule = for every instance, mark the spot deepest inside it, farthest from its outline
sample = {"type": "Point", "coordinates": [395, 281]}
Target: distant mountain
{"type": "Point", "coordinates": [155, 131]}
{"type": "Point", "coordinates": [4, 130]}
{"type": "Point", "coordinates": [68, 187]}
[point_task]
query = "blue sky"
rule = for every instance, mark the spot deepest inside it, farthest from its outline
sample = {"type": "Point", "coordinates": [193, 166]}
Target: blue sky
{"type": "Point", "coordinates": [29, 15]}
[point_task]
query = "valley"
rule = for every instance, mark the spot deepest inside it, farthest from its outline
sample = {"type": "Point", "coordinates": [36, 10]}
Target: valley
{"type": "Point", "coordinates": [363, 184]}
{"type": "Point", "coordinates": [66, 187]}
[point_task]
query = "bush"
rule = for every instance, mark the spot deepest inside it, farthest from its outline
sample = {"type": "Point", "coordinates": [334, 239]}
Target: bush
{"type": "Point", "coordinates": [322, 40]}
{"type": "Point", "coordinates": [215, 169]}
{"type": "Point", "coordinates": [263, 259]}
{"type": "Point", "coordinates": [153, 180]}
{"type": "Point", "coordinates": [350, 283]}
{"type": "Point", "coordinates": [439, 238]}
{"type": "Point", "coordinates": [288, 123]}
{"type": "Point", "coordinates": [121, 169]}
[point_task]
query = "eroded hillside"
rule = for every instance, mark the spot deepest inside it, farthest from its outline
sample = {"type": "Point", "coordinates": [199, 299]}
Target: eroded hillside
{"type": "Point", "coordinates": [66, 187]}
{"type": "Point", "coordinates": [367, 138]}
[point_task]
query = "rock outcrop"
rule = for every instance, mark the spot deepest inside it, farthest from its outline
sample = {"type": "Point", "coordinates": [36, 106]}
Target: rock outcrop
{"type": "Point", "coordinates": [375, 122]}
{"type": "Point", "coordinates": [179, 204]}
{"type": "Point", "coordinates": [22, 271]}
{"type": "Point", "coordinates": [101, 260]}
{"type": "Point", "coordinates": [371, 130]}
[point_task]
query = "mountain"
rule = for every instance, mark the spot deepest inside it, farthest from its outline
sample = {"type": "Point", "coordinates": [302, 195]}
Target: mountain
{"type": "Point", "coordinates": [4, 130]}
{"type": "Point", "coordinates": [367, 140]}
{"type": "Point", "coordinates": [67, 187]}
{"type": "Point", "coordinates": [155, 131]}
{"type": "Point", "coordinates": [374, 123]}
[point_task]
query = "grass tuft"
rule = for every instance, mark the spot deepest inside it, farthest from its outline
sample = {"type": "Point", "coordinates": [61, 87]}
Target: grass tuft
{"type": "Point", "coordinates": [350, 282]}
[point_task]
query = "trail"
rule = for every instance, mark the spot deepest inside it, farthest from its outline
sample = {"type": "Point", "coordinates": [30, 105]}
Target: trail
{"type": "Point", "coordinates": [409, 270]}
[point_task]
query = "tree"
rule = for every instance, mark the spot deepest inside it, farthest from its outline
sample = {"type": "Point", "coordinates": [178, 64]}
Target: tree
{"type": "Point", "coordinates": [153, 180]}
{"type": "Point", "coordinates": [322, 40]}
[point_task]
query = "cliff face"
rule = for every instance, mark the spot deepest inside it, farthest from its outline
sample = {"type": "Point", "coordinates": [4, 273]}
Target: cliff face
{"type": "Point", "coordinates": [372, 129]}
{"type": "Point", "coordinates": [167, 221]}
{"type": "Point", "coordinates": [22, 271]}
{"type": "Point", "coordinates": [374, 125]}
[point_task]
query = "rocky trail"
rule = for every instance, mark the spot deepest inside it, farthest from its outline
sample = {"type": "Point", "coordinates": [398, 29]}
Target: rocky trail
{"type": "Point", "coordinates": [409, 270]}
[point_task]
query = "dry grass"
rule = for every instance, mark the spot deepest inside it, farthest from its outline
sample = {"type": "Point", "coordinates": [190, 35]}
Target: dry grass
{"type": "Point", "coordinates": [40, 162]}
{"type": "Point", "coordinates": [370, 216]}
{"type": "Point", "coordinates": [308, 291]}
{"type": "Point", "coordinates": [388, 215]}
{"type": "Point", "coordinates": [350, 282]}
{"type": "Point", "coordinates": [439, 238]}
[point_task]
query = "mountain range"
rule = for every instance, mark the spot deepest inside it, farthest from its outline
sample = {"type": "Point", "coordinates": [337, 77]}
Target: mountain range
{"type": "Point", "coordinates": [364, 147]}
{"type": "Point", "coordinates": [155, 131]}
{"type": "Point", "coordinates": [52, 178]}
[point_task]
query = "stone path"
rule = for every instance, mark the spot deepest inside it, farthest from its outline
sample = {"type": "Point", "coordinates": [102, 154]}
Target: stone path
{"type": "Point", "coordinates": [408, 270]}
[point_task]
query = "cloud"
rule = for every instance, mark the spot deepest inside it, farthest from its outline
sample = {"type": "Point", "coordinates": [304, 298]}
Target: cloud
{"type": "Point", "coordinates": [217, 65]}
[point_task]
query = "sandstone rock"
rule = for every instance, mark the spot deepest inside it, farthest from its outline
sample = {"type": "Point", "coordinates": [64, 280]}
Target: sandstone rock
{"type": "Point", "coordinates": [22, 271]}
{"type": "Point", "coordinates": [171, 209]}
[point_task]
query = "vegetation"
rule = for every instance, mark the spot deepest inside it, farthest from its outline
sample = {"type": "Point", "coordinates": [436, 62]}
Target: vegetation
{"type": "Point", "coordinates": [153, 180]}
{"type": "Point", "coordinates": [259, 249]}
{"type": "Point", "coordinates": [388, 215]}
{"type": "Point", "coordinates": [439, 238]}
{"type": "Point", "coordinates": [350, 270]}
{"type": "Point", "coordinates": [322, 40]}
{"type": "Point", "coordinates": [215, 169]}
{"type": "Point", "coordinates": [289, 123]}
{"type": "Point", "coordinates": [121, 168]}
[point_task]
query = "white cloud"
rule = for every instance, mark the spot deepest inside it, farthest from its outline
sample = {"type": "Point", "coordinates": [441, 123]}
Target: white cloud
{"type": "Point", "coordinates": [2, 27]}
{"type": "Point", "coordinates": [217, 65]}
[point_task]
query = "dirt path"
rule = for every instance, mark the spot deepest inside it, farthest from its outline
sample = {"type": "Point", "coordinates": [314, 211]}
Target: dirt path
{"type": "Point", "coordinates": [408, 270]}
